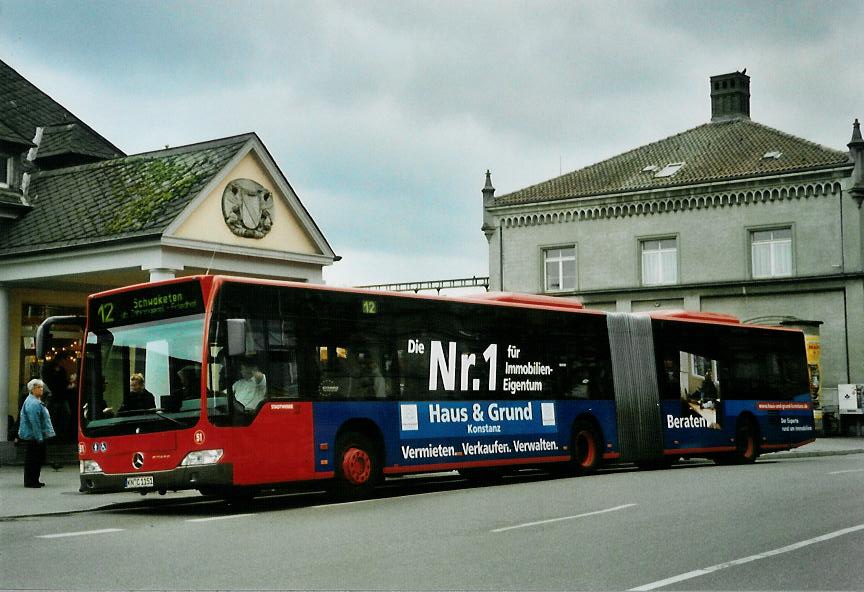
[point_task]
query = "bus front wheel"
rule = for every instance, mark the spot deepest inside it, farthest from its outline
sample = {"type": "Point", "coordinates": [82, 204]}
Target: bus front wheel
{"type": "Point", "coordinates": [358, 466]}
{"type": "Point", "coordinates": [586, 450]}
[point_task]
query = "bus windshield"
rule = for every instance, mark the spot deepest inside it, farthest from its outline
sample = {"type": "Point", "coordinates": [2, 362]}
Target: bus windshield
{"type": "Point", "coordinates": [143, 377]}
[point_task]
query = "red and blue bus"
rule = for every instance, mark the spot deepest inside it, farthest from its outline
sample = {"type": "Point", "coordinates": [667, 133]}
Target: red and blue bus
{"type": "Point", "coordinates": [252, 384]}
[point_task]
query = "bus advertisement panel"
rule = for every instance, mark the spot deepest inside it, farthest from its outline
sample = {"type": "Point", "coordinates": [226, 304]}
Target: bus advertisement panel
{"type": "Point", "coordinates": [433, 430]}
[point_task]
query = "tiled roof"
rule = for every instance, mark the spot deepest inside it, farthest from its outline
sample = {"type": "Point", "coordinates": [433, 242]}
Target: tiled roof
{"type": "Point", "coordinates": [23, 108]}
{"type": "Point", "coordinates": [10, 135]}
{"type": "Point", "coordinates": [117, 199]}
{"type": "Point", "coordinates": [70, 137]}
{"type": "Point", "coordinates": [722, 150]}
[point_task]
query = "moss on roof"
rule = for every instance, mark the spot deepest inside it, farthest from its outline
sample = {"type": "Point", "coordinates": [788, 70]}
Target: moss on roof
{"type": "Point", "coordinates": [116, 199]}
{"type": "Point", "coordinates": [153, 184]}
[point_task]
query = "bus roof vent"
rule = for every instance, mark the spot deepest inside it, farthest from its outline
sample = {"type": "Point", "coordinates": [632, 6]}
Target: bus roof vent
{"type": "Point", "coordinates": [529, 299]}
{"type": "Point", "coordinates": [693, 315]}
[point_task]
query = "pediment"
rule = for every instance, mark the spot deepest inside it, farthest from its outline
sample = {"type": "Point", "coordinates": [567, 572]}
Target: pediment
{"type": "Point", "coordinates": [250, 205]}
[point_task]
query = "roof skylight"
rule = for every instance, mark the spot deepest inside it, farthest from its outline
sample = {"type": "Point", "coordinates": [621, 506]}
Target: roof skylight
{"type": "Point", "coordinates": [669, 170]}
{"type": "Point", "coordinates": [650, 168]}
{"type": "Point", "coordinates": [774, 154]}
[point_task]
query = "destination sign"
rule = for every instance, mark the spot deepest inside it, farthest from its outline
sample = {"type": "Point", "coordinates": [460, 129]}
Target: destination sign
{"type": "Point", "coordinates": [146, 304]}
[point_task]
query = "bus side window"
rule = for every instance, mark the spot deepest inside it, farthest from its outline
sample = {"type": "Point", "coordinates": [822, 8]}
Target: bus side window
{"type": "Point", "coordinates": [364, 369]}
{"type": "Point", "coordinates": [282, 374]}
{"type": "Point", "coordinates": [413, 374]}
{"type": "Point", "coordinates": [670, 375]}
{"type": "Point", "coordinates": [332, 372]}
{"type": "Point", "coordinates": [390, 369]}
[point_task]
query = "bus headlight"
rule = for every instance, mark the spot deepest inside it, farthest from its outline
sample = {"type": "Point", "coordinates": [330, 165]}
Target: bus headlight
{"type": "Point", "coordinates": [202, 457]}
{"type": "Point", "coordinates": [90, 466]}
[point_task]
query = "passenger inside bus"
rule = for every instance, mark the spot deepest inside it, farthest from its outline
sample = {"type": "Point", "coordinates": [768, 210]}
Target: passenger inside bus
{"type": "Point", "coordinates": [137, 397]}
{"type": "Point", "coordinates": [364, 371]}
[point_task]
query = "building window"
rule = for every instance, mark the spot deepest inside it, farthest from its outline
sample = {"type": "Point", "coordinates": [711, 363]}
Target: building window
{"type": "Point", "coordinates": [560, 269]}
{"type": "Point", "coordinates": [659, 261]}
{"type": "Point", "coordinates": [771, 252]}
{"type": "Point", "coordinates": [5, 170]}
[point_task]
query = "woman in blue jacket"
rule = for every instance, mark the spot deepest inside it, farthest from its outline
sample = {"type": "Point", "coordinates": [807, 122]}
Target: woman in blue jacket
{"type": "Point", "coordinates": [34, 427]}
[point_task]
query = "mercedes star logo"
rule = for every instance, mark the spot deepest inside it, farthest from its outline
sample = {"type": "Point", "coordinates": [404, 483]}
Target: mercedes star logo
{"type": "Point", "coordinates": [138, 460]}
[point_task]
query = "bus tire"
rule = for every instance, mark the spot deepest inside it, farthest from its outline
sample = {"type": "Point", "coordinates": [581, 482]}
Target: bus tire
{"type": "Point", "coordinates": [746, 442]}
{"type": "Point", "coordinates": [746, 445]}
{"type": "Point", "coordinates": [358, 466]}
{"type": "Point", "coordinates": [586, 449]}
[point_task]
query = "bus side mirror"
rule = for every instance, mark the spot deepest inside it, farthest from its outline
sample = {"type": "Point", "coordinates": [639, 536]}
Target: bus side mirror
{"type": "Point", "coordinates": [236, 337]}
{"type": "Point", "coordinates": [44, 337]}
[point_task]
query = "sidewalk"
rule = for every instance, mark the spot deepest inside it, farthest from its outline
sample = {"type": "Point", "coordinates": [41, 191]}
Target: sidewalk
{"type": "Point", "coordinates": [824, 447]}
{"type": "Point", "coordinates": [60, 494]}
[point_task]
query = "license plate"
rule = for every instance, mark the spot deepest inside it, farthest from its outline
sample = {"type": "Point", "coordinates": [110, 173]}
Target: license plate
{"type": "Point", "coordinates": [142, 481]}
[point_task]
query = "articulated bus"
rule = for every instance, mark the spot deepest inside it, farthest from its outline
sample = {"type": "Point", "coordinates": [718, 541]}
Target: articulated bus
{"type": "Point", "coordinates": [252, 384]}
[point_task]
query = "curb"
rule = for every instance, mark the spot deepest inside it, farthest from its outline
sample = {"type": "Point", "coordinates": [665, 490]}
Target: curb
{"type": "Point", "coordinates": [816, 453]}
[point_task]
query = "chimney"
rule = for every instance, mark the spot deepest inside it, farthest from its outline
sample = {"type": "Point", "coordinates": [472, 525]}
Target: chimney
{"type": "Point", "coordinates": [730, 96]}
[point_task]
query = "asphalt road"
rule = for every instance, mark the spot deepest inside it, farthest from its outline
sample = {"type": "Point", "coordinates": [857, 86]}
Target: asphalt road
{"type": "Point", "coordinates": [778, 524]}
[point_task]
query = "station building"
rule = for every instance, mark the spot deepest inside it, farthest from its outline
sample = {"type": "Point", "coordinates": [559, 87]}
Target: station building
{"type": "Point", "coordinates": [78, 215]}
{"type": "Point", "coordinates": [731, 216]}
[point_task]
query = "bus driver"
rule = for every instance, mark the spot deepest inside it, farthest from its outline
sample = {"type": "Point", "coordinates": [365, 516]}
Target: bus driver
{"type": "Point", "coordinates": [138, 397]}
{"type": "Point", "coordinates": [252, 386]}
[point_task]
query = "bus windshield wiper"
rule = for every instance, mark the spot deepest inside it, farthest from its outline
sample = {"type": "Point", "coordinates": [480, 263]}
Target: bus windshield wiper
{"type": "Point", "coordinates": [161, 413]}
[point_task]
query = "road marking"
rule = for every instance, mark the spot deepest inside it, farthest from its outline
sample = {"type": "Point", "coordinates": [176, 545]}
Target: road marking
{"type": "Point", "coordinates": [377, 499]}
{"type": "Point", "coordinates": [706, 570]}
{"type": "Point", "coordinates": [82, 533]}
{"type": "Point", "coordinates": [212, 518]}
{"type": "Point", "coordinates": [846, 471]}
{"type": "Point", "coordinates": [351, 503]}
{"type": "Point", "coordinates": [551, 520]}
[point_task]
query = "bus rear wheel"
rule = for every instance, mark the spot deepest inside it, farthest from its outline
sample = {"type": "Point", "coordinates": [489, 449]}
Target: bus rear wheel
{"type": "Point", "coordinates": [358, 466]}
{"type": "Point", "coordinates": [746, 445]}
{"type": "Point", "coordinates": [746, 442]}
{"type": "Point", "coordinates": [585, 448]}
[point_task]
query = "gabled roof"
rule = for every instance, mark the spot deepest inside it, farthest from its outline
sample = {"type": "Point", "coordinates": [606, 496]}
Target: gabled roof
{"type": "Point", "coordinates": [23, 108]}
{"type": "Point", "coordinates": [716, 151]}
{"type": "Point", "coordinates": [123, 198]}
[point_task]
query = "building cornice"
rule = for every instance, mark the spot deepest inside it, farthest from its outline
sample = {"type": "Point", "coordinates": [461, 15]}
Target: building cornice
{"type": "Point", "coordinates": [226, 249]}
{"type": "Point", "coordinates": [821, 183]}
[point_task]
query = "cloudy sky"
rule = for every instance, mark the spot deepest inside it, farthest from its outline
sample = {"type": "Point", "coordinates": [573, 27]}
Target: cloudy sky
{"type": "Point", "coordinates": [384, 116]}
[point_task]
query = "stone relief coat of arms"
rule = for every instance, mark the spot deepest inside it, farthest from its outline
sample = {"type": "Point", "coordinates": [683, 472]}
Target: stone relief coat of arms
{"type": "Point", "coordinates": [247, 208]}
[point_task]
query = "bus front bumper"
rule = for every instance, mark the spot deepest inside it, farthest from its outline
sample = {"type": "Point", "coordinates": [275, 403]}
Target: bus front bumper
{"type": "Point", "coordinates": [176, 479]}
